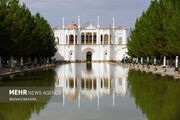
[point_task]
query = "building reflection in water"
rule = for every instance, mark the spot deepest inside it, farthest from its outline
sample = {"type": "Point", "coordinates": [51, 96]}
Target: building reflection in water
{"type": "Point", "coordinates": [92, 81]}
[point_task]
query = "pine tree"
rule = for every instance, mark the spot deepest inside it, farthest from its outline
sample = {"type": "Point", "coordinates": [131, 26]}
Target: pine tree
{"type": "Point", "coordinates": [156, 31]}
{"type": "Point", "coordinates": [23, 34]}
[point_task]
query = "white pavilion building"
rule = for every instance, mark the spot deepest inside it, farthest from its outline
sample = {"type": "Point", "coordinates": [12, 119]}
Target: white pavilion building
{"type": "Point", "coordinates": [90, 42]}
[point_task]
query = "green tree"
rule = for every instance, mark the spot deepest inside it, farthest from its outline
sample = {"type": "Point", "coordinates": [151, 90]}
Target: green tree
{"type": "Point", "coordinates": [23, 34]}
{"type": "Point", "coordinates": [156, 31]}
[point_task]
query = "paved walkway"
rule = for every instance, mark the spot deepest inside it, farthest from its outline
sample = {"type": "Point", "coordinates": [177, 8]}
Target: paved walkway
{"type": "Point", "coordinates": [6, 71]}
{"type": "Point", "coordinates": [160, 70]}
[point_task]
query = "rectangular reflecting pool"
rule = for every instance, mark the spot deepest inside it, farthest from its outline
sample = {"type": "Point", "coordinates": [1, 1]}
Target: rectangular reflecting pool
{"type": "Point", "coordinates": [95, 91]}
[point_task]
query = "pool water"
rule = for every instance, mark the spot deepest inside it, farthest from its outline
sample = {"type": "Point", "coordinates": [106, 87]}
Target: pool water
{"type": "Point", "coordinates": [95, 91]}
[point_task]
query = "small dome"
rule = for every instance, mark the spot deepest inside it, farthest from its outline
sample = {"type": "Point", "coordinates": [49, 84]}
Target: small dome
{"type": "Point", "coordinates": [72, 26]}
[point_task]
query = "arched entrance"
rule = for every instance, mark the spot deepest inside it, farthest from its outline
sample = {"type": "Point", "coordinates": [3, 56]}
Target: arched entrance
{"type": "Point", "coordinates": [89, 56]}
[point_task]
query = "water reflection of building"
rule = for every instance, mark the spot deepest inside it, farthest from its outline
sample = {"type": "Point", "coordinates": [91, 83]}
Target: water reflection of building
{"type": "Point", "coordinates": [92, 81]}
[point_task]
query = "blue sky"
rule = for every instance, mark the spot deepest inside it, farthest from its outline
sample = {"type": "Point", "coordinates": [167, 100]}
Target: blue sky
{"type": "Point", "coordinates": [124, 11]}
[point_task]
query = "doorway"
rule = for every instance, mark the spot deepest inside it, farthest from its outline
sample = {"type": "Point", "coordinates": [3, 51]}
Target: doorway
{"type": "Point", "coordinates": [89, 56]}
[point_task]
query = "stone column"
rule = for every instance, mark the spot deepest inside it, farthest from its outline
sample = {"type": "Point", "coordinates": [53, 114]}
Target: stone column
{"type": "Point", "coordinates": [141, 60]}
{"type": "Point", "coordinates": [154, 68]}
{"type": "Point", "coordinates": [12, 62]}
{"type": "Point", "coordinates": [112, 37]}
{"type": "Point", "coordinates": [84, 38]}
{"type": "Point", "coordinates": [77, 39]}
{"type": "Point", "coordinates": [47, 60]}
{"type": "Point", "coordinates": [68, 39]}
{"type": "Point", "coordinates": [154, 60]}
{"type": "Point", "coordinates": [137, 60]}
{"type": "Point", "coordinates": [103, 38]}
{"type": "Point", "coordinates": [177, 61]}
{"type": "Point", "coordinates": [80, 38]}
{"type": "Point", "coordinates": [74, 38]}
{"type": "Point", "coordinates": [147, 60]}
{"type": "Point", "coordinates": [98, 41]}
{"type": "Point", "coordinates": [176, 71]}
{"type": "Point", "coordinates": [164, 62]}
{"type": "Point", "coordinates": [22, 64]}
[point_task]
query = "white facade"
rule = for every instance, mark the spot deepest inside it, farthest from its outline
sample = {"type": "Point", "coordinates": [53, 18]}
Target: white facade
{"type": "Point", "coordinates": [76, 42]}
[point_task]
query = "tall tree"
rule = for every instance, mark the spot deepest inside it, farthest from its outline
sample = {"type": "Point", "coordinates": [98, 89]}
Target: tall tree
{"type": "Point", "coordinates": [23, 34]}
{"type": "Point", "coordinates": [156, 31]}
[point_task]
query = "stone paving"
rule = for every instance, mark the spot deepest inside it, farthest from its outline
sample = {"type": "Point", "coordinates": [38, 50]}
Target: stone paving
{"type": "Point", "coordinates": [6, 71]}
{"type": "Point", "coordinates": [160, 69]}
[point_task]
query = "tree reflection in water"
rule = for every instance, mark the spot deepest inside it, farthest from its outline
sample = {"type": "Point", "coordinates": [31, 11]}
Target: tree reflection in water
{"type": "Point", "coordinates": [24, 110]}
{"type": "Point", "coordinates": [158, 97]}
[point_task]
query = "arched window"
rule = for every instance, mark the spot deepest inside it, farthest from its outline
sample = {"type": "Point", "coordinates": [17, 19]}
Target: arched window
{"type": "Point", "coordinates": [82, 38]}
{"type": "Point", "coordinates": [89, 56]}
{"type": "Point", "coordinates": [101, 39]}
{"type": "Point", "coordinates": [76, 39]}
{"type": "Point", "coordinates": [90, 38]}
{"type": "Point", "coordinates": [87, 38]}
{"type": "Point", "coordinates": [94, 42]}
{"type": "Point", "coordinates": [71, 39]}
{"type": "Point", "coordinates": [57, 40]}
{"type": "Point", "coordinates": [120, 40]}
{"type": "Point", "coordinates": [106, 39]}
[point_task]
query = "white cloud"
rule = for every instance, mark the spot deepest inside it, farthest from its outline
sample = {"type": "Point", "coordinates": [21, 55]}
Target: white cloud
{"type": "Point", "coordinates": [125, 11]}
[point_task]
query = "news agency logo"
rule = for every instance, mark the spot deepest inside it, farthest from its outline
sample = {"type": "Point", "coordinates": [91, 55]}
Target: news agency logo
{"type": "Point", "coordinates": [31, 94]}
{"type": "Point", "coordinates": [18, 92]}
